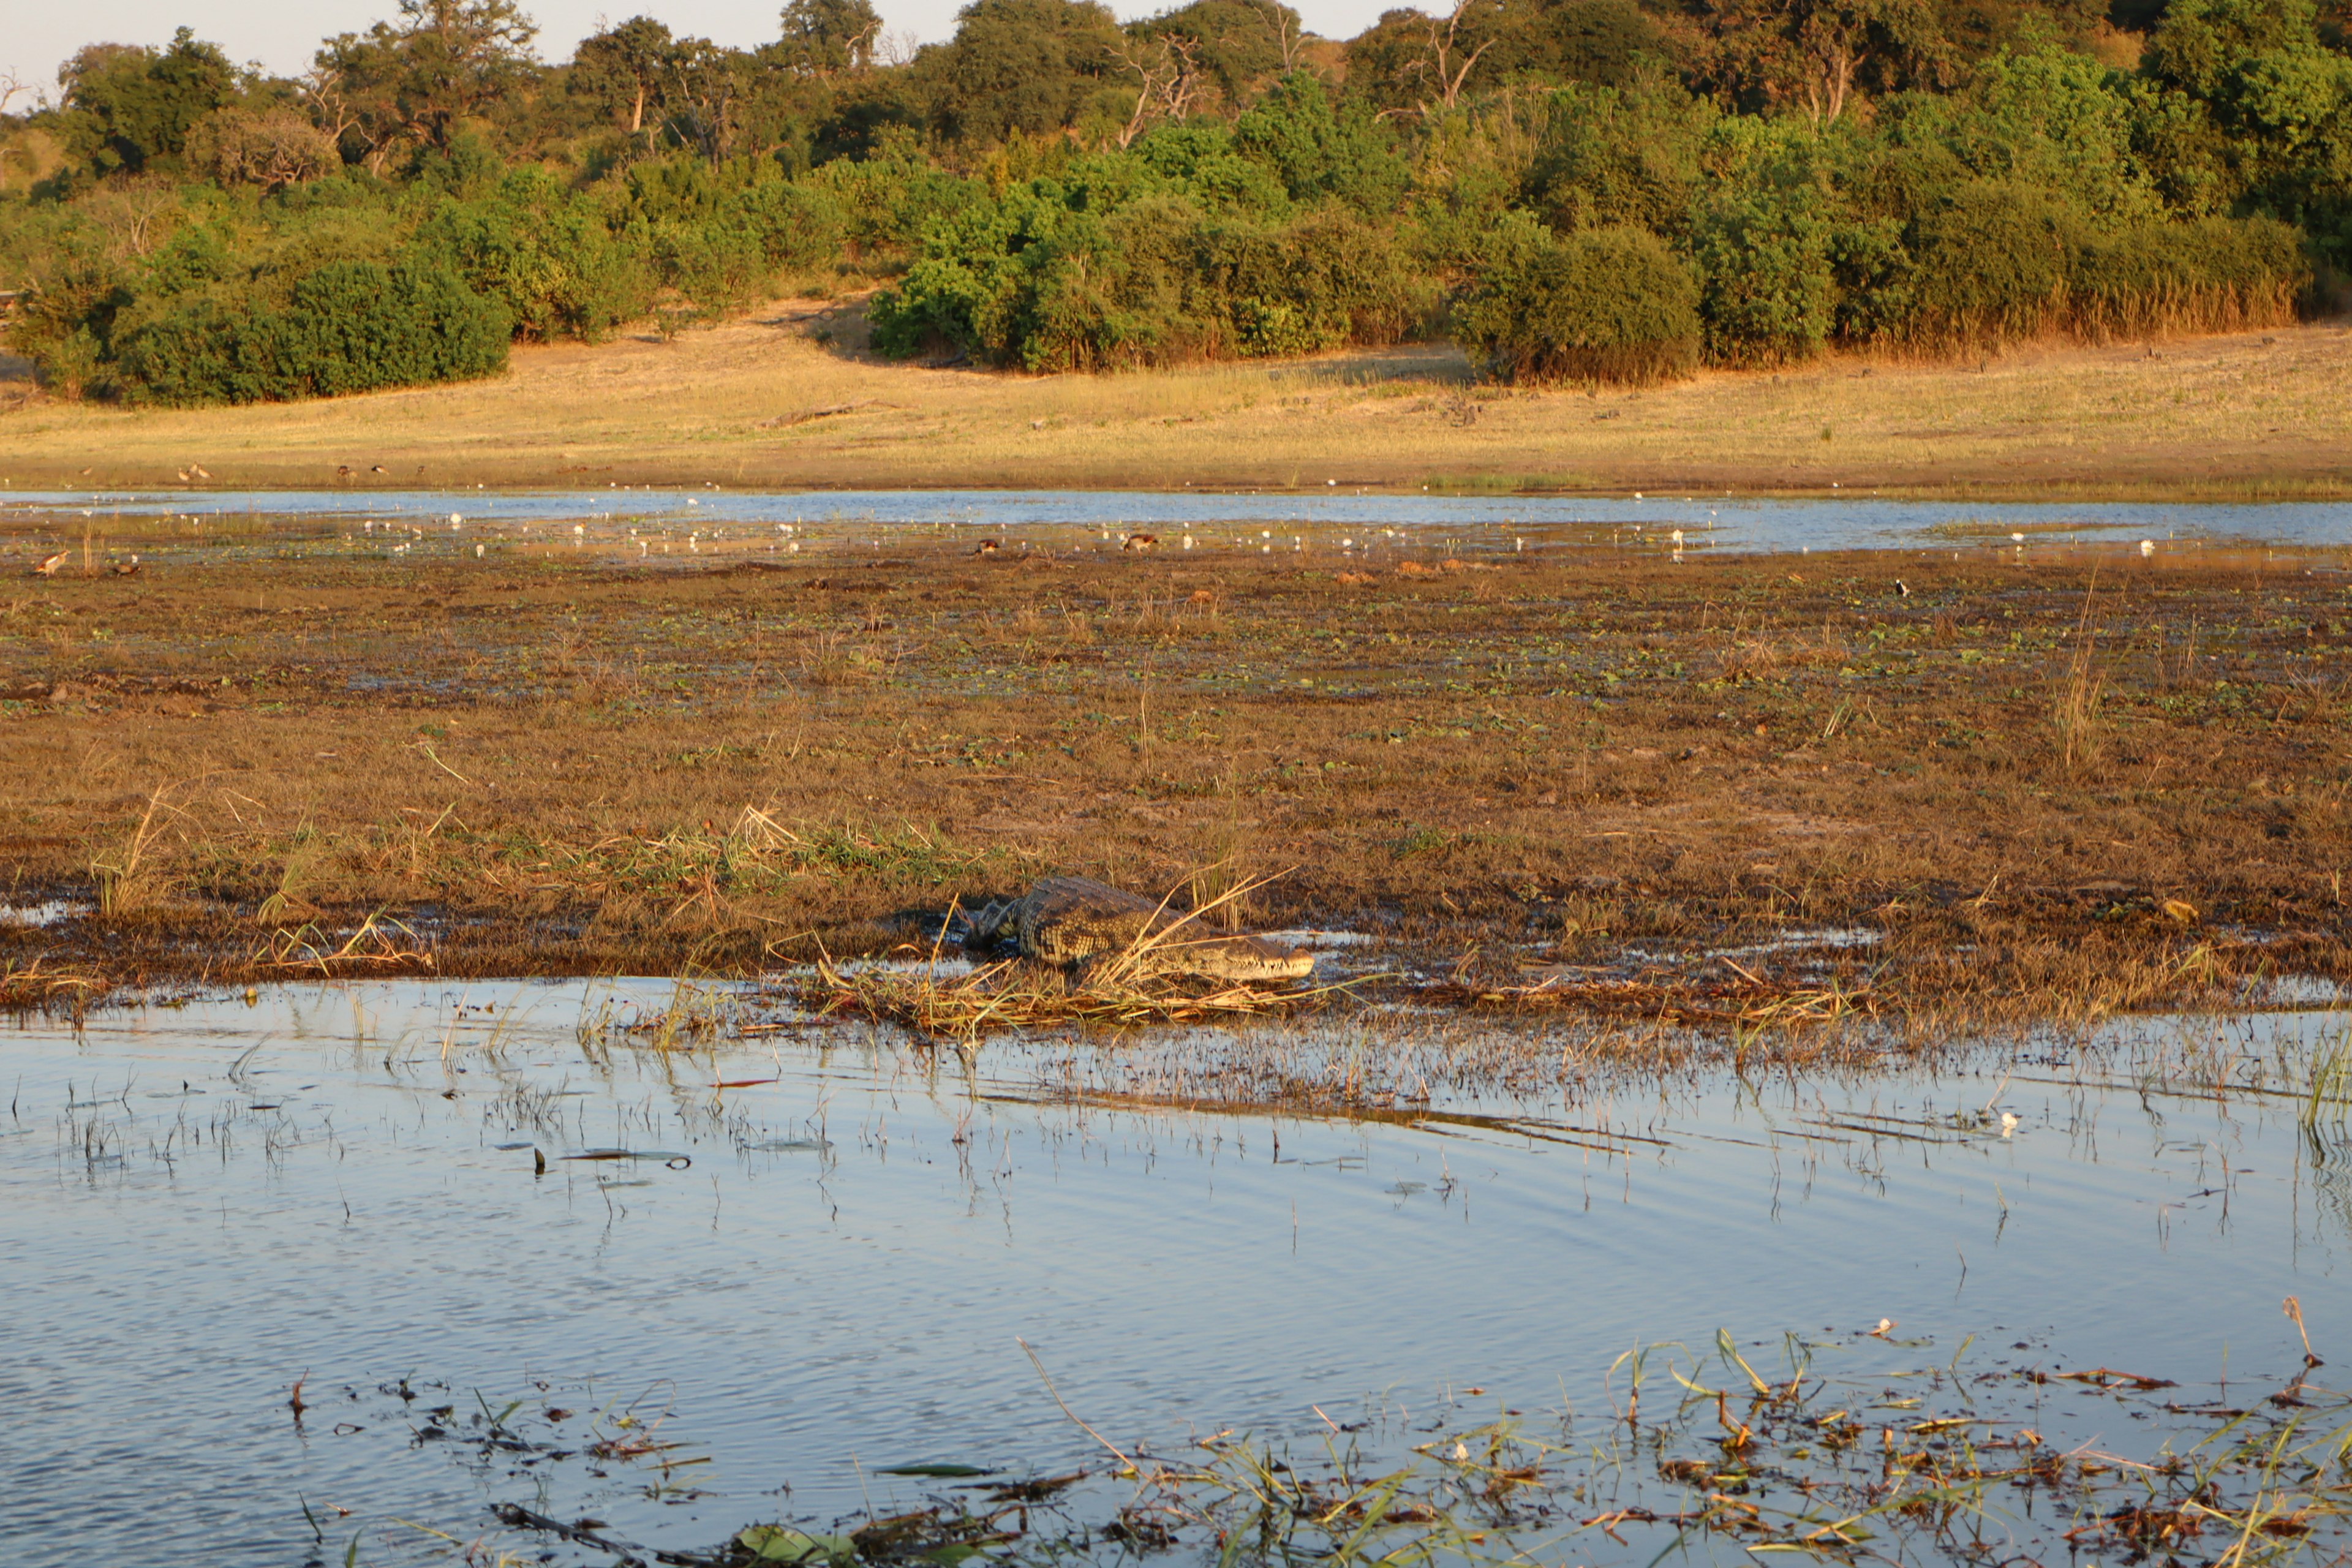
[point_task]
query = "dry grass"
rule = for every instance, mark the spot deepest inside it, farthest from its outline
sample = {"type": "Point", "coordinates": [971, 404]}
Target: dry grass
{"type": "Point", "coordinates": [760, 401]}
{"type": "Point", "coordinates": [1598, 765]}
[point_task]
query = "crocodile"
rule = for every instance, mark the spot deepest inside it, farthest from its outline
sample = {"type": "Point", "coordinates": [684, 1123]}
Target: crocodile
{"type": "Point", "coordinates": [1080, 923]}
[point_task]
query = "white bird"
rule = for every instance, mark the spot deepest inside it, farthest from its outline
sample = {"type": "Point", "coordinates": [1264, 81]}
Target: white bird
{"type": "Point", "coordinates": [477, 552]}
{"type": "Point", "coordinates": [455, 518]}
{"type": "Point", "coordinates": [1885, 1327]}
{"type": "Point", "coordinates": [2147, 548]}
{"type": "Point", "coordinates": [2017, 539]}
{"type": "Point", "coordinates": [2008, 1123]}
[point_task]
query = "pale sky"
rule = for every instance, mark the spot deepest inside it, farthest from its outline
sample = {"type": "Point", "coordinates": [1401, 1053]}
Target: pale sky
{"type": "Point", "coordinates": [37, 35]}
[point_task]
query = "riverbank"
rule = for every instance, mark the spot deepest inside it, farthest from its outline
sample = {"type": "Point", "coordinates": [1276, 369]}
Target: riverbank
{"type": "Point", "coordinates": [783, 398]}
{"type": "Point", "coordinates": [2036, 782]}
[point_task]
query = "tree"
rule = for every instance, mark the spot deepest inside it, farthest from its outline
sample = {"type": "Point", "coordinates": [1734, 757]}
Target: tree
{"type": "Point", "coordinates": [1237, 47]}
{"type": "Point", "coordinates": [128, 108]}
{"type": "Point", "coordinates": [1410, 61]}
{"type": "Point", "coordinates": [1818, 53]}
{"type": "Point", "coordinates": [1168, 70]}
{"type": "Point", "coordinates": [1022, 66]}
{"type": "Point", "coordinates": [622, 70]}
{"type": "Point", "coordinates": [828, 37]}
{"type": "Point", "coordinates": [411, 82]}
{"type": "Point", "coordinates": [272, 148]}
{"type": "Point", "coordinates": [700, 93]}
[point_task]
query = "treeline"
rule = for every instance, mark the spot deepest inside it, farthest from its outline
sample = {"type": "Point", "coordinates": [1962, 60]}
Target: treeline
{"type": "Point", "coordinates": [1608, 189]}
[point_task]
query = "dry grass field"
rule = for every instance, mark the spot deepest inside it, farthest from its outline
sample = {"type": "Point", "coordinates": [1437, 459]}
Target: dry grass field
{"type": "Point", "coordinates": [783, 398]}
{"type": "Point", "coordinates": [2040, 785]}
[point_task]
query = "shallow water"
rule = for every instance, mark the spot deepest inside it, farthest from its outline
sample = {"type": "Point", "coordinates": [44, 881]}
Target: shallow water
{"type": "Point", "coordinates": [1056, 517]}
{"type": "Point", "coordinates": [826, 1269]}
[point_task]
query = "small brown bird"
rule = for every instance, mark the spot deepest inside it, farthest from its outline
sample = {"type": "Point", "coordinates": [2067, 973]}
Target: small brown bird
{"type": "Point", "coordinates": [127, 568]}
{"type": "Point", "coordinates": [987, 547]}
{"type": "Point", "coordinates": [48, 568]}
{"type": "Point", "coordinates": [1139, 542]}
{"type": "Point", "coordinates": [200, 470]}
{"type": "Point", "coordinates": [376, 469]}
{"type": "Point", "coordinates": [342, 471]}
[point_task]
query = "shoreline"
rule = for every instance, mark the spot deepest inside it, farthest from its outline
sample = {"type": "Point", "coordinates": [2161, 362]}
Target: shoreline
{"type": "Point", "coordinates": [759, 402]}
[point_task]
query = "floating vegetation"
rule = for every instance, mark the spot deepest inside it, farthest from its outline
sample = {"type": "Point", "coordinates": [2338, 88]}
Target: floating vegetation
{"type": "Point", "coordinates": [1927, 1463]}
{"type": "Point", "coordinates": [378, 944]}
{"type": "Point", "coordinates": [1016, 994]}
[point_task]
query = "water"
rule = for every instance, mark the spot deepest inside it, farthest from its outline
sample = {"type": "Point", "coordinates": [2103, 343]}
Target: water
{"type": "Point", "coordinates": [1056, 517]}
{"type": "Point", "coordinates": [826, 1269]}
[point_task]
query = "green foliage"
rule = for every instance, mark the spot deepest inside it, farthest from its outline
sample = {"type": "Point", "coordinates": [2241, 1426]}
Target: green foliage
{"type": "Point", "coordinates": [1051, 189]}
{"type": "Point", "coordinates": [129, 110]}
{"type": "Point", "coordinates": [1613, 157]}
{"type": "Point", "coordinates": [547, 258]}
{"type": "Point", "coordinates": [824, 37]}
{"type": "Point", "coordinates": [1602, 305]}
{"type": "Point", "coordinates": [351, 326]}
{"type": "Point", "coordinates": [1021, 66]}
{"type": "Point", "coordinates": [1146, 258]}
{"type": "Point", "coordinates": [1319, 151]}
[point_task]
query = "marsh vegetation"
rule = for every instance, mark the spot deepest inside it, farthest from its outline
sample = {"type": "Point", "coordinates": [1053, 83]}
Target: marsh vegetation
{"type": "Point", "coordinates": [2009, 782]}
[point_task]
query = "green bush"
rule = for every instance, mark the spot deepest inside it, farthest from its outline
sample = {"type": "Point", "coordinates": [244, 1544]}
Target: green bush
{"type": "Point", "coordinates": [1119, 264]}
{"type": "Point", "coordinates": [1620, 158]}
{"type": "Point", "coordinates": [543, 253]}
{"type": "Point", "coordinates": [1604, 305]}
{"type": "Point", "coordinates": [353, 326]}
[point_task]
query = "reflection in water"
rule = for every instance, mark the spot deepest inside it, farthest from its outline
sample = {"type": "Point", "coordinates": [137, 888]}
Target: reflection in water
{"type": "Point", "coordinates": [818, 1251]}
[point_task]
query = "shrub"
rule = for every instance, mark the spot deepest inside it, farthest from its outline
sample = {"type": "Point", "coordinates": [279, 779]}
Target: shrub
{"type": "Point", "coordinates": [353, 326]}
{"type": "Point", "coordinates": [2211, 275]}
{"type": "Point", "coordinates": [1606, 305]}
{"type": "Point", "coordinates": [1618, 158]}
{"type": "Point", "coordinates": [1992, 264]}
{"type": "Point", "coordinates": [272, 148]}
{"type": "Point", "coordinates": [1055, 275]}
{"type": "Point", "coordinates": [545, 255]}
